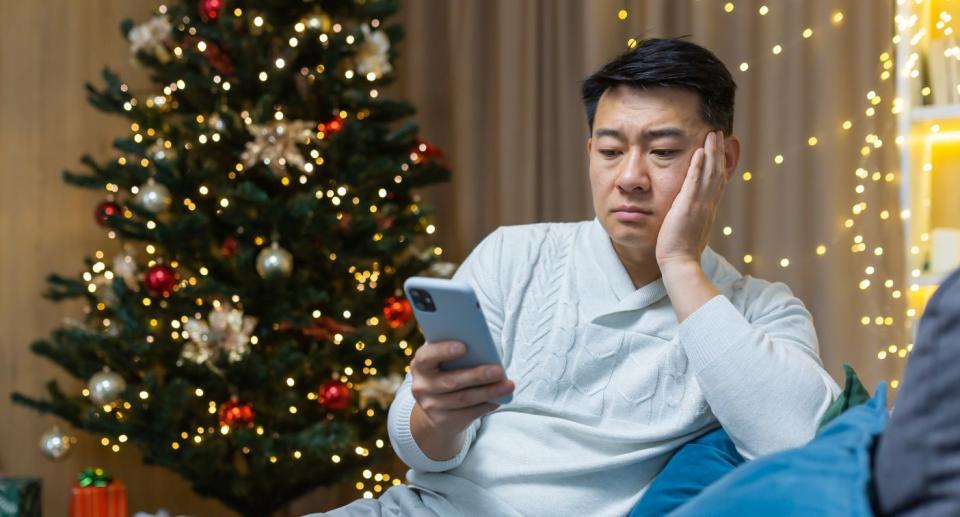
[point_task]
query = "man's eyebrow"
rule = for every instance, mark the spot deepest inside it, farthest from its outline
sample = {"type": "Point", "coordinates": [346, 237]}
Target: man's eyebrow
{"type": "Point", "coordinates": [601, 132]}
{"type": "Point", "coordinates": [665, 132]}
{"type": "Point", "coordinates": [649, 134]}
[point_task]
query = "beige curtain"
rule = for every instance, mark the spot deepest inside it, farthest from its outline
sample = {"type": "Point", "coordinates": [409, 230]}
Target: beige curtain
{"type": "Point", "coordinates": [496, 85]}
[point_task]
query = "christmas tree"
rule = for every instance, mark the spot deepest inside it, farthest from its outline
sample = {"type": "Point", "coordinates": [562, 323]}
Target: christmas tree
{"type": "Point", "coordinates": [249, 330]}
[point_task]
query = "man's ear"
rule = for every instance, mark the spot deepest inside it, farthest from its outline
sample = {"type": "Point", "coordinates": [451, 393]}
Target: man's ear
{"type": "Point", "coordinates": [589, 145]}
{"type": "Point", "coordinates": [731, 155]}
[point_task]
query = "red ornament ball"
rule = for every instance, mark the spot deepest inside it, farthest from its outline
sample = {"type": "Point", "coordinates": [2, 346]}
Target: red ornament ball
{"type": "Point", "coordinates": [334, 395]}
{"type": "Point", "coordinates": [397, 312]}
{"type": "Point", "coordinates": [219, 60]}
{"type": "Point", "coordinates": [210, 9]}
{"type": "Point", "coordinates": [423, 151]}
{"type": "Point", "coordinates": [236, 414]}
{"type": "Point", "coordinates": [331, 127]}
{"type": "Point", "coordinates": [104, 211]}
{"type": "Point", "coordinates": [160, 279]}
{"type": "Point", "coordinates": [385, 222]}
{"type": "Point", "coordinates": [229, 247]}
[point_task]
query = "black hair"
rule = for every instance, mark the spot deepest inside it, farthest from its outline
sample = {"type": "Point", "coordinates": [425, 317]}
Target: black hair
{"type": "Point", "coordinates": [672, 63]}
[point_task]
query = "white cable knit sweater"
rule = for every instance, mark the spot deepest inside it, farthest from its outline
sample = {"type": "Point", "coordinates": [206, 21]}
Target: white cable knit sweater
{"type": "Point", "coordinates": [608, 383]}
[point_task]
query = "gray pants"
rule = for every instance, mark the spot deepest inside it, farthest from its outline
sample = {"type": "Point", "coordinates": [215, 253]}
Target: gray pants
{"type": "Point", "coordinates": [917, 463]}
{"type": "Point", "coordinates": [397, 501]}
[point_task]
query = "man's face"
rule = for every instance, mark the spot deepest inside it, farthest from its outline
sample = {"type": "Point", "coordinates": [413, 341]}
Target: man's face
{"type": "Point", "coordinates": [640, 150]}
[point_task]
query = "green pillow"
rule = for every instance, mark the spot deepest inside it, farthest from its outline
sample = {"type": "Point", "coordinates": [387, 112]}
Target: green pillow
{"type": "Point", "coordinates": [853, 394]}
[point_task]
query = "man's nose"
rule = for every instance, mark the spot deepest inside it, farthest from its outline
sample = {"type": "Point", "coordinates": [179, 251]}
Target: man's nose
{"type": "Point", "coordinates": [634, 175]}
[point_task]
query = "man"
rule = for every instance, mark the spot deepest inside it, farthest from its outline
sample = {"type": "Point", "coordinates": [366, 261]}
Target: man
{"type": "Point", "coordinates": [623, 337]}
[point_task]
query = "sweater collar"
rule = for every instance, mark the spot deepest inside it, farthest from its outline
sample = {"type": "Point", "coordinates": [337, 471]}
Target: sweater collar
{"type": "Point", "coordinates": [629, 297]}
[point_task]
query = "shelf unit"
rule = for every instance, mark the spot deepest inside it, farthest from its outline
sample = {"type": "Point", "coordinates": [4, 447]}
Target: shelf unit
{"type": "Point", "coordinates": [928, 135]}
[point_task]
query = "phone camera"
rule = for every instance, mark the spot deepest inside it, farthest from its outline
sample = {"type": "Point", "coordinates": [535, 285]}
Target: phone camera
{"type": "Point", "coordinates": [422, 300]}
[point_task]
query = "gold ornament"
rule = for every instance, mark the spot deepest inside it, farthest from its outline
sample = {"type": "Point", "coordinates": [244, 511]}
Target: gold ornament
{"type": "Point", "coordinates": [55, 444]}
{"type": "Point", "coordinates": [105, 387]}
{"type": "Point", "coordinates": [274, 262]}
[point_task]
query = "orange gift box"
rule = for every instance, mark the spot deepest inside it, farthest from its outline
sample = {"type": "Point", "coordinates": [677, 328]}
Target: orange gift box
{"type": "Point", "coordinates": [94, 501]}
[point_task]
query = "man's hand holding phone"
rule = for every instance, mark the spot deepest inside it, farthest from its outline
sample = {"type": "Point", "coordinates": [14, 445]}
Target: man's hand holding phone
{"type": "Point", "coordinates": [448, 401]}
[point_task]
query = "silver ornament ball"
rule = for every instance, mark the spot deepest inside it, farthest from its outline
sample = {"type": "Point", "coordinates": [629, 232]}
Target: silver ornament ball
{"type": "Point", "coordinates": [153, 197]}
{"type": "Point", "coordinates": [106, 387]}
{"type": "Point", "coordinates": [274, 261]}
{"type": "Point", "coordinates": [56, 445]}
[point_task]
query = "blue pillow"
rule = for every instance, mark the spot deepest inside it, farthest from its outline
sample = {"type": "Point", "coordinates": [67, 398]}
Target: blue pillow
{"type": "Point", "coordinates": [828, 476]}
{"type": "Point", "coordinates": [695, 465]}
{"type": "Point", "coordinates": [699, 463]}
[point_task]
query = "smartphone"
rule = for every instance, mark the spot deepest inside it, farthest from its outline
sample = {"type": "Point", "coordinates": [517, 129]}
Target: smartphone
{"type": "Point", "coordinates": [448, 310]}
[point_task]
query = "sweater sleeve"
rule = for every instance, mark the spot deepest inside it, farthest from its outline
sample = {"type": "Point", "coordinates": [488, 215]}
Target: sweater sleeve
{"type": "Point", "coordinates": [759, 367]}
{"type": "Point", "coordinates": [481, 271]}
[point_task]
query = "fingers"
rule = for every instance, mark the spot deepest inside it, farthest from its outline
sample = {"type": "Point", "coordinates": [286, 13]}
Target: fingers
{"type": "Point", "coordinates": [721, 154]}
{"type": "Point", "coordinates": [461, 418]}
{"type": "Point", "coordinates": [693, 174]}
{"type": "Point", "coordinates": [453, 399]}
{"type": "Point", "coordinates": [713, 173]}
{"type": "Point", "coordinates": [467, 398]}
{"type": "Point", "coordinates": [477, 411]}
{"type": "Point", "coordinates": [720, 178]}
{"type": "Point", "coordinates": [446, 382]}
{"type": "Point", "coordinates": [430, 355]}
{"type": "Point", "coordinates": [710, 160]}
{"type": "Point", "coordinates": [696, 163]}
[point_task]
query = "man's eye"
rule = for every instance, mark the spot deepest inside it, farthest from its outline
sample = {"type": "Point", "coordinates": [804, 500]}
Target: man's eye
{"type": "Point", "coordinates": [610, 153]}
{"type": "Point", "coordinates": [665, 153]}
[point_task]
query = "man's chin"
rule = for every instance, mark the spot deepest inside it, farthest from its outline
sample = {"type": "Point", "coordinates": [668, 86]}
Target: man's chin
{"type": "Point", "coordinates": [632, 234]}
